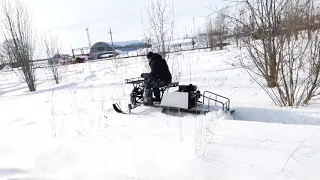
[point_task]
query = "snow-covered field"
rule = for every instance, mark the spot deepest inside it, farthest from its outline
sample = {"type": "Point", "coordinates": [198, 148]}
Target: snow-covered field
{"type": "Point", "coordinates": [70, 131]}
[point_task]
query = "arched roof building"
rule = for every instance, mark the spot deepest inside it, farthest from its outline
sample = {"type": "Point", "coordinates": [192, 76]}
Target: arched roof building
{"type": "Point", "coordinates": [100, 47]}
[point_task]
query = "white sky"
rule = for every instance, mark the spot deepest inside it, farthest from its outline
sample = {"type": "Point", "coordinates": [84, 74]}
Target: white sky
{"type": "Point", "coordinates": [68, 19]}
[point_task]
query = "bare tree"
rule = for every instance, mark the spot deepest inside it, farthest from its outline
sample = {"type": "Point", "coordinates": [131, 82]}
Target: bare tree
{"type": "Point", "coordinates": [283, 49]}
{"type": "Point", "coordinates": [237, 33]}
{"type": "Point", "coordinates": [210, 33]}
{"type": "Point", "coordinates": [159, 24]}
{"type": "Point", "coordinates": [201, 38]}
{"type": "Point", "coordinates": [220, 28]}
{"type": "Point", "coordinates": [19, 45]}
{"type": "Point", "coordinates": [2, 57]}
{"type": "Point", "coordinates": [52, 53]}
{"type": "Point", "coordinates": [216, 29]}
{"type": "Point", "coordinates": [262, 23]}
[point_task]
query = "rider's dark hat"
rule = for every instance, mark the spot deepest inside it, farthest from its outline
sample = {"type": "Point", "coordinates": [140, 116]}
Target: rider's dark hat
{"type": "Point", "coordinates": [149, 55]}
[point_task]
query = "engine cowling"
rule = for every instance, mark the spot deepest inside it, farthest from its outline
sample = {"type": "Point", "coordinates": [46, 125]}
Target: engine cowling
{"type": "Point", "coordinates": [186, 97]}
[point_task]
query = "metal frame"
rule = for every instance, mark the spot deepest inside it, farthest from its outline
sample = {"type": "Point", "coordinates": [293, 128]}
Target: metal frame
{"type": "Point", "coordinates": [225, 105]}
{"type": "Point", "coordinates": [206, 96]}
{"type": "Point", "coordinates": [138, 83]}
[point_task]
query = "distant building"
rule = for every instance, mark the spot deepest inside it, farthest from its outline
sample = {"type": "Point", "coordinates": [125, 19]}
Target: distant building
{"type": "Point", "coordinates": [102, 50]}
{"type": "Point", "coordinates": [134, 46]}
{"type": "Point", "coordinates": [100, 47]}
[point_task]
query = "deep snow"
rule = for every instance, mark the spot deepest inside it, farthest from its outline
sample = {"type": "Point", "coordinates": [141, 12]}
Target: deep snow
{"type": "Point", "coordinates": [70, 131]}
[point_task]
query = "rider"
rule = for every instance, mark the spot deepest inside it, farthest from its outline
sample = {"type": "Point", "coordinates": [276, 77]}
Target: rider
{"type": "Point", "coordinates": [158, 77]}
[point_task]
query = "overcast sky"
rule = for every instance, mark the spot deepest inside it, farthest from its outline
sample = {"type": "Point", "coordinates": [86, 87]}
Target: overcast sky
{"type": "Point", "coordinates": [68, 19]}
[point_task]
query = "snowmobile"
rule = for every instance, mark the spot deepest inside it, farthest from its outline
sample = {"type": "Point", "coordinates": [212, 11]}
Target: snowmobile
{"type": "Point", "coordinates": [186, 98]}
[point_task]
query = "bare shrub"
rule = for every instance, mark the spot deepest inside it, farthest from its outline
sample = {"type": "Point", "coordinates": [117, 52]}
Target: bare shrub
{"type": "Point", "coordinates": [52, 53]}
{"type": "Point", "coordinates": [19, 45]}
{"type": "Point", "coordinates": [282, 52]}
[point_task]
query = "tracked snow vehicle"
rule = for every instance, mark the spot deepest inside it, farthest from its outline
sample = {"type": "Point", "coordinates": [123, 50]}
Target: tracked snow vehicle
{"type": "Point", "coordinates": [186, 98]}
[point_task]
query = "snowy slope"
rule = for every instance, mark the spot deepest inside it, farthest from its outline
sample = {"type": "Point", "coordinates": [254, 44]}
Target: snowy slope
{"type": "Point", "coordinates": [70, 131]}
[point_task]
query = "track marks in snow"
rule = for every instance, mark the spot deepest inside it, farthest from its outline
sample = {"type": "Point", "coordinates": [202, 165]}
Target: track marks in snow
{"type": "Point", "coordinates": [8, 172]}
{"type": "Point", "coordinates": [280, 116]}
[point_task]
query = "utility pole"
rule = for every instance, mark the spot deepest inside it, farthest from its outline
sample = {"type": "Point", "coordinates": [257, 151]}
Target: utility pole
{"type": "Point", "coordinates": [194, 26]}
{"type": "Point", "coordinates": [110, 32]}
{"type": "Point", "coordinates": [194, 30]}
{"type": "Point", "coordinates": [89, 41]}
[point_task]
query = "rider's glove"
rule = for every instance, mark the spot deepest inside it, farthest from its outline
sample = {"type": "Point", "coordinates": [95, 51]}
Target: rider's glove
{"type": "Point", "coordinates": [144, 75]}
